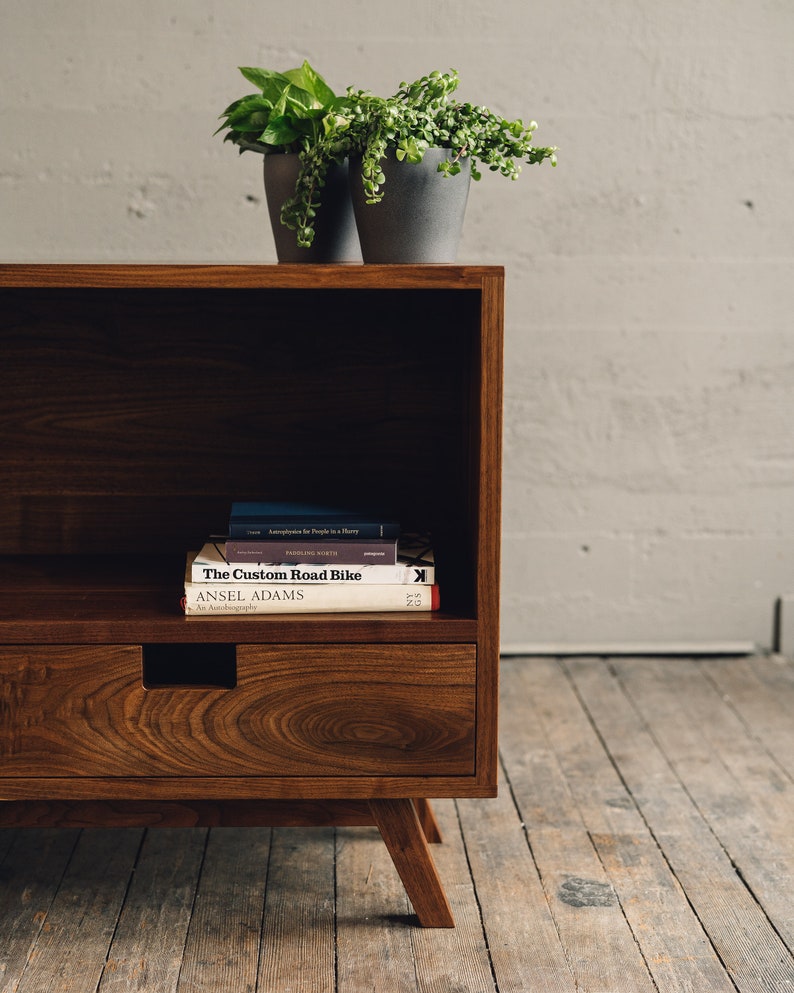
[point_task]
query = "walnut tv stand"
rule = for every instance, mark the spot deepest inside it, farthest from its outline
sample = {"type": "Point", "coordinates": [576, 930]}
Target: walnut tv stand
{"type": "Point", "coordinates": [138, 402]}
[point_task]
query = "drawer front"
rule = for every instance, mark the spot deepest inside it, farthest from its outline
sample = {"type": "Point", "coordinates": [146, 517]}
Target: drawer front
{"type": "Point", "coordinates": [292, 710]}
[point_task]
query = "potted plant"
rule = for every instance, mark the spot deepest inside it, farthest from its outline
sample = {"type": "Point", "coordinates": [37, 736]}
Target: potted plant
{"type": "Point", "coordinates": [290, 113]}
{"type": "Point", "coordinates": [422, 145]}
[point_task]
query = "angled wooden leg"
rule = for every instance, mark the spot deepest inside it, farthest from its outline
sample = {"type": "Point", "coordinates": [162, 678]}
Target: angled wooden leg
{"type": "Point", "coordinates": [402, 833]}
{"type": "Point", "coordinates": [428, 821]}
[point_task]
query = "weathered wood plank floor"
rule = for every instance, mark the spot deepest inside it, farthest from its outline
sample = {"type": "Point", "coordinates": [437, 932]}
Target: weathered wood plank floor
{"type": "Point", "coordinates": [643, 840]}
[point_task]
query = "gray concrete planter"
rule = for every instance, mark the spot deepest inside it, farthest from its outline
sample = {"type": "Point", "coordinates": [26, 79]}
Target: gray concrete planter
{"type": "Point", "coordinates": [335, 234]}
{"type": "Point", "coordinates": [420, 217]}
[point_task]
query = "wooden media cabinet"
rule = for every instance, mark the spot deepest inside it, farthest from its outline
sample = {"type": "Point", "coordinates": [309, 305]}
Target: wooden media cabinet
{"type": "Point", "coordinates": [138, 402]}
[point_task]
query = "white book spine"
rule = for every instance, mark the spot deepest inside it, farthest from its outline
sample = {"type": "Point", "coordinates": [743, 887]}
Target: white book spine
{"type": "Point", "coordinates": [251, 598]}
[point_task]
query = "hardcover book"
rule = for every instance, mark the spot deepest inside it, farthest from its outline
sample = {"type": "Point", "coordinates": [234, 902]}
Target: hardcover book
{"type": "Point", "coordinates": [364, 551]}
{"type": "Point", "coordinates": [414, 566]}
{"type": "Point", "coordinates": [306, 521]}
{"type": "Point", "coordinates": [279, 598]}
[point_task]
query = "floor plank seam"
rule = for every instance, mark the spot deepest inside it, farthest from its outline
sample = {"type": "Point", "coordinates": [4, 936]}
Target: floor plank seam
{"type": "Point", "coordinates": [335, 929]}
{"type": "Point", "coordinates": [522, 820]}
{"type": "Point", "coordinates": [682, 784]}
{"type": "Point", "coordinates": [517, 807]}
{"type": "Point", "coordinates": [612, 669]}
{"type": "Point", "coordinates": [712, 831]}
{"type": "Point", "coordinates": [626, 917]}
{"type": "Point", "coordinates": [748, 727]}
{"type": "Point", "coordinates": [263, 949]}
{"type": "Point", "coordinates": [45, 915]}
{"type": "Point", "coordinates": [477, 899]}
{"type": "Point", "coordinates": [123, 904]}
{"type": "Point", "coordinates": [759, 903]}
{"type": "Point", "coordinates": [183, 957]}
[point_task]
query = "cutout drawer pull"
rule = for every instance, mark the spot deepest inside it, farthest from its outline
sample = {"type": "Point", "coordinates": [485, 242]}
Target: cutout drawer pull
{"type": "Point", "coordinates": [170, 666]}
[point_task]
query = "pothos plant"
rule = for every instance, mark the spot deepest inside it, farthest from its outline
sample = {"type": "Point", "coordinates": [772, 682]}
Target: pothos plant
{"type": "Point", "coordinates": [291, 111]}
{"type": "Point", "coordinates": [418, 116]}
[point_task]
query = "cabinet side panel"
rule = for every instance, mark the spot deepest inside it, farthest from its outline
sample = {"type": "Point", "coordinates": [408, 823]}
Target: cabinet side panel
{"type": "Point", "coordinates": [488, 416]}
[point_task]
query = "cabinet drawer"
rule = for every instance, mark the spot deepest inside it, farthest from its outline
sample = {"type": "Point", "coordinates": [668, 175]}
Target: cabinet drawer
{"type": "Point", "coordinates": [288, 710]}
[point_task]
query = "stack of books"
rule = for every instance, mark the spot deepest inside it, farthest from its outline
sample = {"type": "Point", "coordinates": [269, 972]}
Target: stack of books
{"type": "Point", "coordinates": [290, 558]}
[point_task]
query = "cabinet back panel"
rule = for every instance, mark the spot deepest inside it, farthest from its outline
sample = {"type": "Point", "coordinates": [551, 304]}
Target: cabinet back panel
{"type": "Point", "coordinates": [142, 413]}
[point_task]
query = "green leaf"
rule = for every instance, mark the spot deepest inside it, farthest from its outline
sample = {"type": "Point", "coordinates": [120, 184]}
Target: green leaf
{"type": "Point", "coordinates": [280, 106]}
{"type": "Point", "coordinates": [238, 103]}
{"type": "Point", "coordinates": [279, 132]}
{"type": "Point", "coordinates": [310, 80]}
{"type": "Point", "coordinates": [250, 117]}
{"type": "Point", "coordinates": [298, 100]}
{"type": "Point", "coordinates": [271, 83]}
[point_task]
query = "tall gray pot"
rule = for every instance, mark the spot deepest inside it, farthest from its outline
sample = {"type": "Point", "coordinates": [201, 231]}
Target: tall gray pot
{"type": "Point", "coordinates": [420, 217]}
{"type": "Point", "coordinates": [335, 234]}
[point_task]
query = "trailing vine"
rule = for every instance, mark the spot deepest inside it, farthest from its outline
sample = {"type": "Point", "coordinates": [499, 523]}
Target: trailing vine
{"type": "Point", "coordinates": [420, 115]}
{"type": "Point", "coordinates": [297, 111]}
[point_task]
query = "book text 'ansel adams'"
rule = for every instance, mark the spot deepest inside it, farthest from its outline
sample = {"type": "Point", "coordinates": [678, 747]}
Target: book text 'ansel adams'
{"type": "Point", "coordinates": [208, 598]}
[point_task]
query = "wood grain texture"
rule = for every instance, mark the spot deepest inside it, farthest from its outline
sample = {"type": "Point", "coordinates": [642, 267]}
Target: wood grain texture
{"type": "Point", "coordinates": [489, 407]}
{"type": "Point", "coordinates": [600, 945]}
{"type": "Point", "coordinates": [710, 763]}
{"type": "Point", "coordinates": [141, 401]}
{"type": "Point", "coordinates": [454, 958]}
{"type": "Point", "coordinates": [82, 918]}
{"type": "Point", "coordinates": [145, 955]}
{"type": "Point", "coordinates": [86, 613]}
{"type": "Point", "coordinates": [222, 944]}
{"type": "Point", "coordinates": [305, 277]}
{"type": "Point", "coordinates": [529, 954]}
{"type": "Point", "coordinates": [296, 710]}
{"type": "Point", "coordinates": [297, 950]}
{"type": "Point", "coordinates": [181, 814]}
{"type": "Point", "coordinates": [579, 753]}
{"type": "Point", "coordinates": [32, 865]}
{"type": "Point", "coordinates": [624, 706]}
{"type": "Point", "coordinates": [401, 831]}
{"type": "Point", "coordinates": [243, 788]}
{"type": "Point", "coordinates": [370, 895]}
{"type": "Point", "coordinates": [600, 840]}
{"type": "Point", "coordinates": [757, 690]}
{"type": "Point", "coordinates": [128, 414]}
{"type": "Point", "coordinates": [428, 821]}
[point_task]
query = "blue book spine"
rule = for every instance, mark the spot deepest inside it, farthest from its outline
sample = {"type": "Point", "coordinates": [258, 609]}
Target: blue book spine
{"type": "Point", "coordinates": [315, 531]}
{"type": "Point", "coordinates": [260, 521]}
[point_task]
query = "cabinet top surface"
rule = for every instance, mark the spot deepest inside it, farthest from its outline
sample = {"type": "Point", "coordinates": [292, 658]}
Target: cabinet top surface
{"type": "Point", "coordinates": [277, 276]}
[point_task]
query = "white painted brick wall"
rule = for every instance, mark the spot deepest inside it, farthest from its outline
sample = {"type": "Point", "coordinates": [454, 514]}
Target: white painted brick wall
{"type": "Point", "coordinates": [649, 455]}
